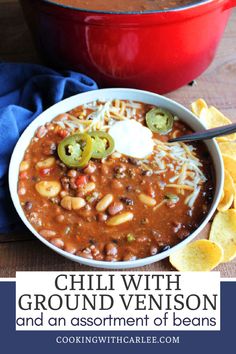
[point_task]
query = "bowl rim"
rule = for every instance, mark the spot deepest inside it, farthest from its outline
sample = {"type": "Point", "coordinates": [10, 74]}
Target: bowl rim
{"type": "Point", "coordinates": [173, 9]}
{"type": "Point", "coordinates": [26, 137]}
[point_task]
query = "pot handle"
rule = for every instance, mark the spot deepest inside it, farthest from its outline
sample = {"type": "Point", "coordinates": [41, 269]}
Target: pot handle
{"type": "Point", "coordinates": [230, 4]}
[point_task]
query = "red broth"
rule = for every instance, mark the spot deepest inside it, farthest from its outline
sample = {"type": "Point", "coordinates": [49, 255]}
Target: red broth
{"type": "Point", "coordinates": [164, 197]}
{"type": "Point", "coordinates": [124, 5]}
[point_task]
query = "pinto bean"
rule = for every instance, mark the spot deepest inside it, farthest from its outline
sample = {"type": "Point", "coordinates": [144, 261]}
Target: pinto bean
{"type": "Point", "coordinates": [70, 248]}
{"type": "Point", "coordinates": [72, 173]}
{"type": "Point", "coordinates": [73, 184]}
{"type": "Point", "coordinates": [86, 253]}
{"type": "Point", "coordinates": [49, 148]}
{"type": "Point", "coordinates": [90, 169]}
{"type": "Point", "coordinates": [47, 233]}
{"type": "Point", "coordinates": [58, 242]}
{"type": "Point", "coordinates": [153, 250]}
{"type": "Point", "coordinates": [94, 250]}
{"type": "Point", "coordinates": [119, 169]}
{"type": "Point", "coordinates": [35, 219]}
{"type": "Point", "coordinates": [65, 181]}
{"type": "Point", "coordinates": [41, 132]}
{"type": "Point", "coordinates": [60, 218]}
{"type": "Point", "coordinates": [111, 249]}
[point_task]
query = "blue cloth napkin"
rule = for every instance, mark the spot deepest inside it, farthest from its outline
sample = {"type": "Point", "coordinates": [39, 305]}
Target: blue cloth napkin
{"type": "Point", "coordinates": [25, 91]}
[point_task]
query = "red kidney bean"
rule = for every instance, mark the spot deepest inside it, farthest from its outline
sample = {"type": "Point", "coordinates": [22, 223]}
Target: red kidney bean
{"type": "Point", "coordinates": [115, 208]}
{"type": "Point", "coordinates": [49, 148]}
{"type": "Point", "coordinates": [28, 206]}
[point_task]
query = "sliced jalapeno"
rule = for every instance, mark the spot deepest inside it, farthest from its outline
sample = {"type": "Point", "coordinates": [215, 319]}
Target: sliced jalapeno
{"type": "Point", "coordinates": [76, 150]}
{"type": "Point", "coordinates": [159, 120]}
{"type": "Point", "coordinates": [103, 144]}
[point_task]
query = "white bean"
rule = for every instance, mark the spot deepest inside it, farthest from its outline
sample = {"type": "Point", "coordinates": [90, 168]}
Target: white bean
{"type": "Point", "coordinates": [72, 203]}
{"type": "Point", "coordinates": [48, 163]}
{"type": "Point", "coordinates": [24, 166]}
{"type": "Point", "coordinates": [104, 203]}
{"type": "Point", "coordinates": [120, 219]}
{"type": "Point", "coordinates": [48, 189]}
{"type": "Point", "coordinates": [145, 199]}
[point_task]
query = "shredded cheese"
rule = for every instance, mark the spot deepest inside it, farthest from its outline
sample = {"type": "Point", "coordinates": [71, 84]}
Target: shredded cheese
{"type": "Point", "coordinates": [176, 161]}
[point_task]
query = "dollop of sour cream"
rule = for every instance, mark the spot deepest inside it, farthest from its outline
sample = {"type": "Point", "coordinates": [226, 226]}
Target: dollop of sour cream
{"type": "Point", "coordinates": [132, 138]}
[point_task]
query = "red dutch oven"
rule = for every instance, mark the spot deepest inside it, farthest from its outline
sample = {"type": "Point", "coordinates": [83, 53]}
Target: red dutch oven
{"type": "Point", "coordinates": [157, 51]}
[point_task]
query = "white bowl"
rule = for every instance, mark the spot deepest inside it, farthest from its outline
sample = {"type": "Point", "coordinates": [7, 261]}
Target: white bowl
{"type": "Point", "coordinates": [129, 94]}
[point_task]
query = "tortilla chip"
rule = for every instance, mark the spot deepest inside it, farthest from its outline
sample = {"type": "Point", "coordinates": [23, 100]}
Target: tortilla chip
{"type": "Point", "coordinates": [229, 193]}
{"type": "Point", "coordinates": [223, 232]}
{"type": "Point", "coordinates": [212, 118]}
{"type": "Point", "coordinates": [197, 106]}
{"type": "Point", "coordinates": [217, 119]}
{"type": "Point", "coordinates": [198, 256]}
{"type": "Point", "coordinates": [235, 196]}
{"type": "Point", "coordinates": [230, 165]}
{"type": "Point", "coordinates": [228, 148]}
{"type": "Point", "coordinates": [222, 196]}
